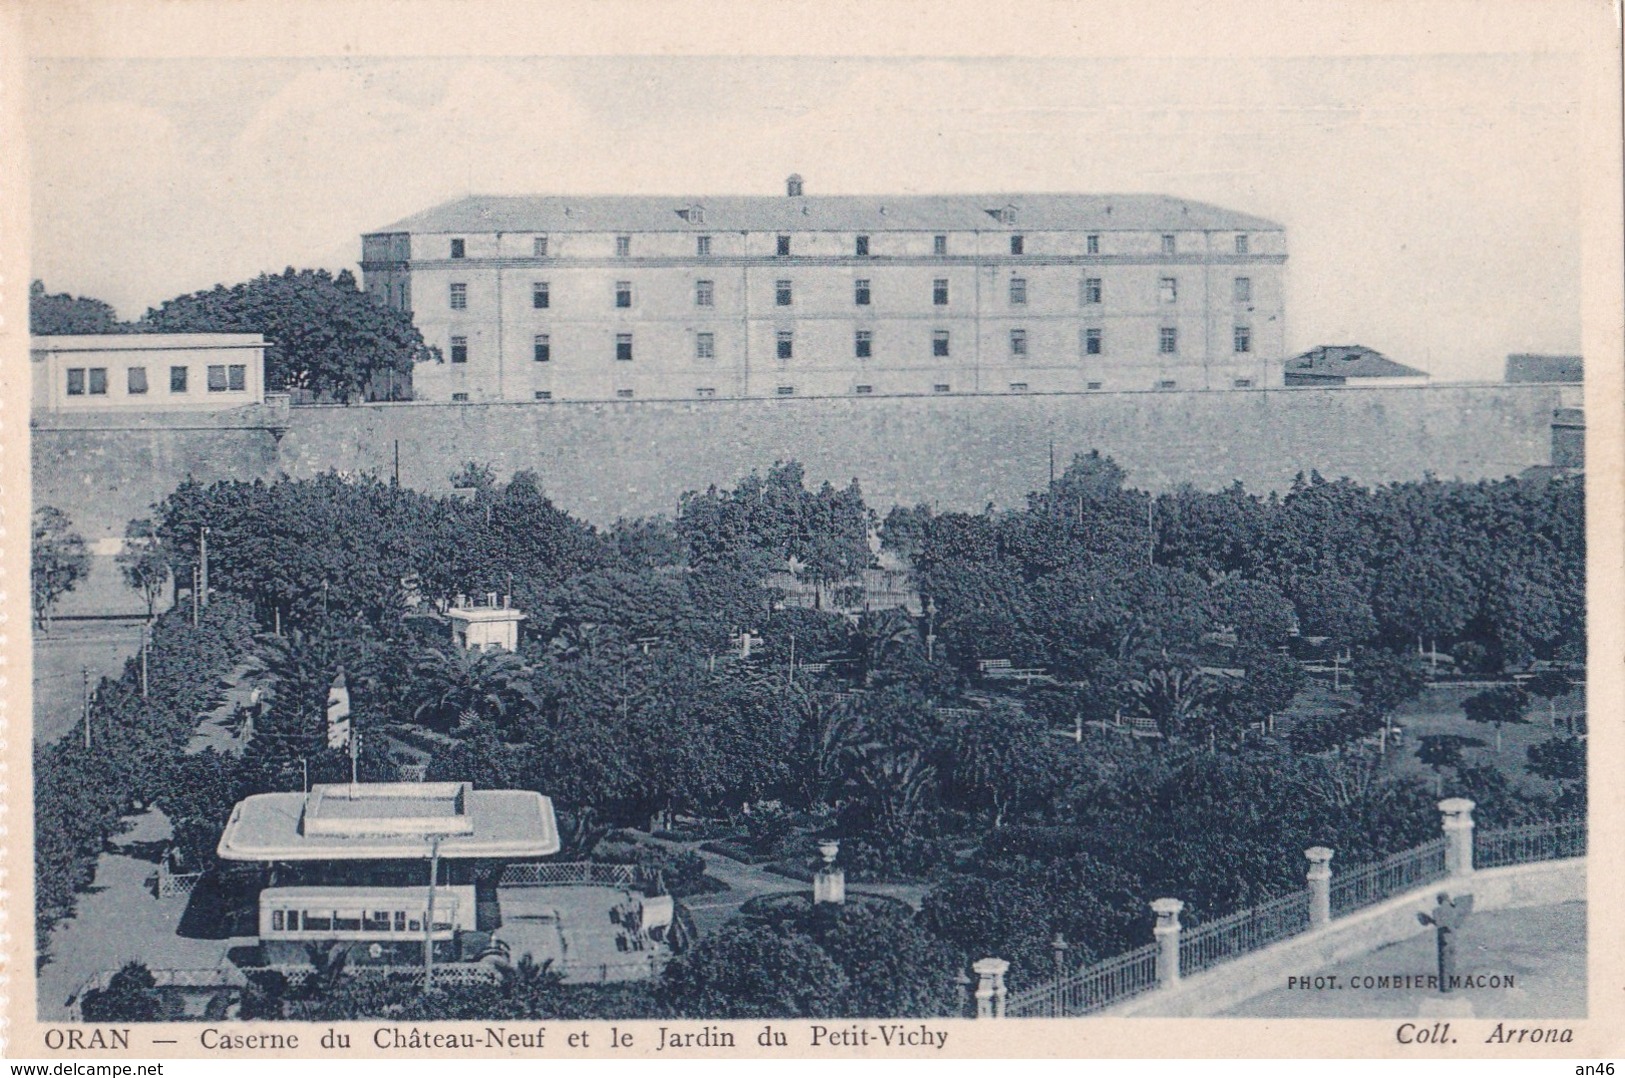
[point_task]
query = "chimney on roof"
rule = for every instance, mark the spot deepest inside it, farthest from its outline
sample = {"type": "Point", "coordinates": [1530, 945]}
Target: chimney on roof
{"type": "Point", "coordinates": [792, 186]}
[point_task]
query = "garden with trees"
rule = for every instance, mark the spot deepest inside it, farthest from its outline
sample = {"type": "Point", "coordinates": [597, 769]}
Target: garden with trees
{"type": "Point", "coordinates": [1101, 697]}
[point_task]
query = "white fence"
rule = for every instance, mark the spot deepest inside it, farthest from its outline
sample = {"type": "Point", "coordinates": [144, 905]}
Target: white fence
{"type": "Point", "coordinates": [570, 874]}
{"type": "Point", "coordinates": [1115, 980]}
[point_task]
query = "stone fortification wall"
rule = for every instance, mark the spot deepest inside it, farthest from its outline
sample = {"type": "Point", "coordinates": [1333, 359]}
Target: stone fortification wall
{"type": "Point", "coordinates": [605, 460]}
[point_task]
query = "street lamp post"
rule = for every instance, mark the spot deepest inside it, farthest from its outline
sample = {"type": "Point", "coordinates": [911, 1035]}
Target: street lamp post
{"type": "Point", "coordinates": [428, 920]}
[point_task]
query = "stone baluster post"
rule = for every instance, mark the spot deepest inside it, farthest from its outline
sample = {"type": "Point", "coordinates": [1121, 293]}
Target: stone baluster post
{"type": "Point", "coordinates": [1320, 885]}
{"type": "Point", "coordinates": [1167, 934]}
{"type": "Point", "coordinates": [1457, 822]}
{"type": "Point", "coordinates": [990, 990]}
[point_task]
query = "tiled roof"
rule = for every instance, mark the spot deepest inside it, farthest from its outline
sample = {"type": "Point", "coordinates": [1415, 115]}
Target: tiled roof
{"type": "Point", "coordinates": [1348, 361]}
{"type": "Point", "coordinates": [875, 213]}
{"type": "Point", "coordinates": [1529, 367]}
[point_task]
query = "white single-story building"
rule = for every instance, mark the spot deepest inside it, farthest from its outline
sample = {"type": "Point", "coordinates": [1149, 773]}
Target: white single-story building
{"type": "Point", "coordinates": [127, 372]}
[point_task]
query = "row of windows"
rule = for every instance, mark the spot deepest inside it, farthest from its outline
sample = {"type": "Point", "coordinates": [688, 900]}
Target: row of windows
{"type": "Point", "coordinates": [329, 920]}
{"type": "Point", "coordinates": [1091, 342]}
{"type": "Point", "coordinates": [1091, 291]}
{"type": "Point", "coordinates": [864, 390]}
{"type": "Point", "coordinates": [222, 378]}
{"type": "Point", "coordinates": [860, 246]}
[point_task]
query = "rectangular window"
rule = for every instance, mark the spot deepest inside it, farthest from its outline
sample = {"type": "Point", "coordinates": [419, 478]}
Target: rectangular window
{"type": "Point", "coordinates": [784, 245]}
{"type": "Point", "coordinates": [1241, 243]}
{"type": "Point", "coordinates": [860, 292]}
{"type": "Point", "coordinates": [1091, 290]}
{"type": "Point", "coordinates": [541, 295]}
{"type": "Point", "coordinates": [702, 246]}
{"type": "Point", "coordinates": [623, 293]}
{"type": "Point", "coordinates": [1244, 383]}
{"type": "Point", "coordinates": [237, 377]}
{"type": "Point", "coordinates": [623, 246]}
{"type": "Point", "coordinates": [1094, 385]}
{"type": "Point", "coordinates": [459, 297]}
{"type": "Point", "coordinates": [863, 344]}
{"type": "Point", "coordinates": [624, 394]}
{"type": "Point", "coordinates": [705, 391]}
{"type": "Point", "coordinates": [277, 921]}
{"type": "Point", "coordinates": [457, 249]}
{"type": "Point", "coordinates": [1018, 387]}
{"type": "Point", "coordinates": [1018, 290]}
{"type": "Point", "coordinates": [1244, 289]}
{"type": "Point", "coordinates": [544, 394]}
{"type": "Point", "coordinates": [939, 292]}
{"type": "Point", "coordinates": [1018, 342]}
{"type": "Point", "coordinates": [863, 391]}
{"type": "Point", "coordinates": [400, 920]}
{"type": "Point", "coordinates": [781, 293]}
{"type": "Point", "coordinates": [217, 378]}
{"type": "Point", "coordinates": [623, 347]}
{"type": "Point", "coordinates": [459, 398]}
{"type": "Point", "coordinates": [1167, 383]}
{"type": "Point", "coordinates": [1168, 247]}
{"type": "Point", "coordinates": [787, 344]}
{"type": "Point", "coordinates": [705, 294]}
{"type": "Point", "coordinates": [459, 349]}
{"type": "Point", "coordinates": [135, 381]}
{"type": "Point", "coordinates": [1168, 289]}
{"type": "Point", "coordinates": [538, 246]}
{"type": "Point", "coordinates": [1018, 245]}
{"type": "Point", "coordinates": [76, 381]}
{"type": "Point", "coordinates": [1092, 342]}
{"type": "Point", "coordinates": [862, 246]}
{"type": "Point", "coordinates": [1092, 245]}
{"type": "Point", "coordinates": [1168, 340]}
{"type": "Point", "coordinates": [786, 391]}
{"type": "Point", "coordinates": [939, 342]}
{"type": "Point", "coordinates": [705, 346]}
{"type": "Point", "coordinates": [939, 245]}
{"type": "Point", "coordinates": [1244, 339]}
{"type": "Point", "coordinates": [942, 387]}
{"type": "Point", "coordinates": [542, 348]}
{"type": "Point", "coordinates": [177, 379]}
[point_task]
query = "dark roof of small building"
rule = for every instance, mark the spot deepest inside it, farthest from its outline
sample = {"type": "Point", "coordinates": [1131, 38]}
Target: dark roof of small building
{"type": "Point", "coordinates": [1532, 367]}
{"type": "Point", "coordinates": [1348, 361]}
{"type": "Point", "coordinates": [877, 213]}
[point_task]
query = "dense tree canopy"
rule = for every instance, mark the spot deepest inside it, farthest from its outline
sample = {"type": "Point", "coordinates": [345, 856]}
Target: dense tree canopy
{"type": "Point", "coordinates": [59, 313]}
{"type": "Point", "coordinates": [325, 334]}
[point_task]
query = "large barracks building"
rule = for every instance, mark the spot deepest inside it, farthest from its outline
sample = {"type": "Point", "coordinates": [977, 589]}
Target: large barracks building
{"type": "Point", "coordinates": [616, 298]}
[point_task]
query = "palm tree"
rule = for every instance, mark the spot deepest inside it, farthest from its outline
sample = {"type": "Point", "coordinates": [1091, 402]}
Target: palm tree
{"type": "Point", "coordinates": [895, 789]}
{"type": "Point", "coordinates": [449, 683]}
{"type": "Point", "coordinates": [1178, 700]}
{"type": "Point", "coordinates": [880, 637]}
{"type": "Point", "coordinates": [830, 739]}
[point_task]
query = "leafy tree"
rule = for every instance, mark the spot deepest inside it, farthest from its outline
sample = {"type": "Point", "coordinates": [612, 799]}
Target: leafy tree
{"type": "Point", "coordinates": [1330, 605]}
{"type": "Point", "coordinates": [324, 333]}
{"type": "Point", "coordinates": [893, 967]}
{"type": "Point", "coordinates": [1385, 679]}
{"type": "Point", "coordinates": [61, 313]}
{"type": "Point", "coordinates": [128, 997]}
{"type": "Point", "coordinates": [754, 971]}
{"type": "Point", "coordinates": [1443, 752]}
{"type": "Point", "coordinates": [1498, 706]}
{"type": "Point", "coordinates": [1260, 615]}
{"type": "Point", "coordinates": [1003, 760]}
{"type": "Point", "coordinates": [145, 563]}
{"type": "Point", "coordinates": [59, 561]}
{"type": "Point", "coordinates": [1558, 759]}
{"type": "Point", "coordinates": [1549, 685]}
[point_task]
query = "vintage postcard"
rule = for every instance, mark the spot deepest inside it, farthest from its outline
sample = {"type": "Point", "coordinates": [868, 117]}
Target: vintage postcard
{"type": "Point", "coordinates": [655, 532]}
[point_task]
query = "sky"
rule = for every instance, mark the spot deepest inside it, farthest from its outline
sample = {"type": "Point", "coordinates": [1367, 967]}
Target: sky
{"type": "Point", "coordinates": [1432, 203]}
